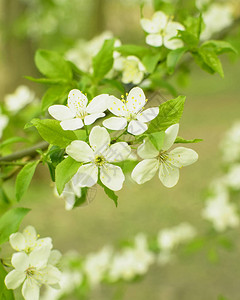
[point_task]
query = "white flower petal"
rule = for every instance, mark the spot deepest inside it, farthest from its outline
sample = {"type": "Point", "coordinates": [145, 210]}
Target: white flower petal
{"type": "Point", "coordinates": [118, 152]}
{"type": "Point", "coordinates": [88, 175]}
{"type": "Point", "coordinates": [154, 40]}
{"type": "Point", "coordinates": [39, 256]}
{"type": "Point", "coordinates": [172, 29]}
{"type": "Point", "coordinates": [169, 175]}
{"type": "Point", "coordinates": [170, 136]}
{"type": "Point", "coordinates": [61, 112]}
{"type": "Point", "coordinates": [135, 100]}
{"type": "Point", "coordinates": [20, 261]}
{"type": "Point", "coordinates": [17, 241]}
{"type": "Point", "coordinates": [44, 242]}
{"type": "Point", "coordinates": [145, 170]}
{"type": "Point", "coordinates": [72, 124]}
{"type": "Point", "coordinates": [76, 100]}
{"type": "Point", "coordinates": [160, 19]}
{"type": "Point", "coordinates": [173, 43]}
{"type": "Point", "coordinates": [181, 157]}
{"type": "Point", "coordinates": [116, 106]}
{"type": "Point", "coordinates": [14, 279]}
{"type": "Point", "coordinates": [30, 289]}
{"type": "Point", "coordinates": [115, 123]}
{"type": "Point", "coordinates": [30, 235]}
{"type": "Point", "coordinates": [98, 104]}
{"type": "Point", "coordinates": [148, 114]}
{"type": "Point", "coordinates": [136, 127]}
{"type": "Point", "coordinates": [148, 26]}
{"type": "Point", "coordinates": [137, 78]}
{"type": "Point", "coordinates": [51, 275]}
{"type": "Point", "coordinates": [112, 177]}
{"type": "Point", "coordinates": [99, 139]}
{"type": "Point", "coordinates": [90, 119]}
{"type": "Point", "coordinates": [158, 22]}
{"type": "Point", "coordinates": [119, 63]}
{"type": "Point", "coordinates": [54, 257]}
{"type": "Point", "coordinates": [147, 150]}
{"type": "Point", "coordinates": [80, 151]}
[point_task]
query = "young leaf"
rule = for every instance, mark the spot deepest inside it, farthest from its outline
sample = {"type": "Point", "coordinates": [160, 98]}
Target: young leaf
{"type": "Point", "coordinates": [210, 58]}
{"type": "Point", "coordinates": [48, 81]}
{"type": "Point", "coordinates": [109, 193]}
{"type": "Point", "coordinates": [127, 50]}
{"type": "Point", "coordinates": [5, 294]}
{"type": "Point", "coordinates": [24, 178]}
{"type": "Point", "coordinates": [173, 58]}
{"type": "Point", "coordinates": [57, 93]}
{"type": "Point", "coordinates": [183, 141]}
{"type": "Point", "coordinates": [103, 61]}
{"type": "Point", "coordinates": [52, 65]}
{"type": "Point", "coordinates": [65, 171]}
{"type": "Point", "coordinates": [52, 132]}
{"type": "Point", "coordinates": [220, 47]}
{"type": "Point", "coordinates": [189, 39]}
{"type": "Point", "coordinates": [10, 221]}
{"type": "Point", "coordinates": [150, 61]}
{"type": "Point", "coordinates": [170, 113]}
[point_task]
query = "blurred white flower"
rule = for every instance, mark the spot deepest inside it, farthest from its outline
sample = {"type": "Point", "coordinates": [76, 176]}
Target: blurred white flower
{"type": "Point", "coordinates": [200, 4]}
{"type": "Point", "coordinates": [99, 156]}
{"type": "Point", "coordinates": [130, 111]}
{"type": "Point", "coordinates": [172, 237]}
{"type": "Point", "coordinates": [232, 178]}
{"type": "Point", "coordinates": [33, 271]}
{"type": "Point", "coordinates": [221, 212]}
{"type": "Point", "coordinates": [162, 30]}
{"type": "Point", "coordinates": [78, 111]}
{"type": "Point", "coordinates": [81, 55]}
{"type": "Point", "coordinates": [96, 265]}
{"type": "Point", "coordinates": [28, 240]}
{"type": "Point", "coordinates": [230, 145]}
{"type": "Point", "coordinates": [168, 163]}
{"type": "Point", "coordinates": [3, 123]}
{"type": "Point", "coordinates": [131, 67]}
{"type": "Point", "coordinates": [19, 99]}
{"type": "Point", "coordinates": [69, 280]}
{"type": "Point", "coordinates": [132, 261]}
{"type": "Point", "coordinates": [216, 18]}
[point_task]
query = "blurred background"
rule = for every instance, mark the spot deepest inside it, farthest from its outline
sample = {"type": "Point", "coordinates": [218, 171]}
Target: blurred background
{"type": "Point", "coordinates": [212, 106]}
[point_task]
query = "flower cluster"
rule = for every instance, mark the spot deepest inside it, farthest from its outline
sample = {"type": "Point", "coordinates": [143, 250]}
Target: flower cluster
{"type": "Point", "coordinates": [34, 263]}
{"type": "Point", "coordinates": [162, 31]}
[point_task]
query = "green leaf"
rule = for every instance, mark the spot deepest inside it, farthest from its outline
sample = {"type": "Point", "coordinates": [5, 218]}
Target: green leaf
{"type": "Point", "coordinates": [81, 134]}
{"type": "Point", "coordinates": [10, 222]}
{"type": "Point", "coordinates": [24, 178]}
{"type": "Point", "coordinates": [220, 47]}
{"type": "Point", "coordinates": [189, 39]}
{"type": "Point", "coordinates": [170, 113]}
{"type": "Point", "coordinates": [134, 50]}
{"type": "Point", "coordinates": [79, 201]}
{"type": "Point", "coordinates": [183, 141]}
{"type": "Point", "coordinates": [150, 61]}
{"type": "Point", "coordinates": [199, 60]}
{"type": "Point", "coordinates": [13, 140]}
{"type": "Point", "coordinates": [52, 65]}
{"type": "Point", "coordinates": [210, 58]}
{"type": "Point", "coordinates": [52, 132]}
{"type": "Point", "coordinates": [5, 294]}
{"type": "Point", "coordinates": [103, 61]}
{"type": "Point", "coordinates": [65, 171]}
{"type": "Point", "coordinates": [115, 84]}
{"type": "Point", "coordinates": [3, 197]}
{"type": "Point", "coordinates": [174, 57]}
{"type": "Point", "coordinates": [55, 94]}
{"type": "Point", "coordinates": [157, 139]}
{"type": "Point", "coordinates": [109, 193]}
{"type": "Point", "coordinates": [47, 80]}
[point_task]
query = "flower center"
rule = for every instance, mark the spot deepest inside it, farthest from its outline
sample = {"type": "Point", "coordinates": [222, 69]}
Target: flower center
{"type": "Point", "coordinates": [99, 160]}
{"type": "Point", "coordinates": [81, 113]}
{"type": "Point", "coordinates": [131, 116]}
{"type": "Point", "coordinates": [162, 156]}
{"type": "Point", "coordinates": [30, 271]}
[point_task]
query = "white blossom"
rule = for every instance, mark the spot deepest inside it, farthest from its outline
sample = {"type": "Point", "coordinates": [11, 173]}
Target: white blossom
{"type": "Point", "coordinates": [162, 31]}
{"type": "Point", "coordinates": [96, 265]}
{"type": "Point", "coordinates": [131, 67]}
{"type": "Point", "coordinates": [132, 261]}
{"type": "Point", "coordinates": [216, 18]}
{"type": "Point", "coordinates": [33, 271]}
{"type": "Point", "coordinates": [166, 163]}
{"type": "Point", "coordinates": [130, 112]}
{"type": "Point", "coordinates": [232, 178]}
{"type": "Point", "coordinates": [99, 156]}
{"type": "Point", "coordinates": [221, 212]}
{"type": "Point", "coordinates": [3, 123]}
{"type": "Point", "coordinates": [78, 111]}
{"type": "Point", "coordinates": [19, 99]}
{"type": "Point", "coordinates": [28, 240]}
